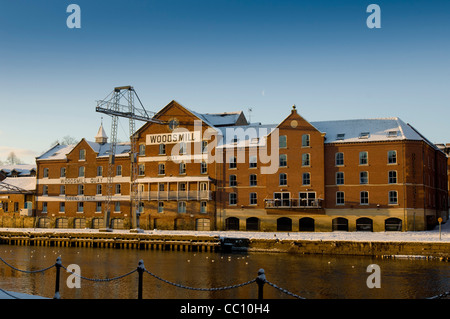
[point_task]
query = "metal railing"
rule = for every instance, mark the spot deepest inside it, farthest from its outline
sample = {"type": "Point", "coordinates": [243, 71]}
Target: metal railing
{"type": "Point", "coordinates": [260, 280]}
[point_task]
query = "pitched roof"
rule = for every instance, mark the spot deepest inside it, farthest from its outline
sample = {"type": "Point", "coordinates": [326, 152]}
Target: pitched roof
{"type": "Point", "coordinates": [26, 184]}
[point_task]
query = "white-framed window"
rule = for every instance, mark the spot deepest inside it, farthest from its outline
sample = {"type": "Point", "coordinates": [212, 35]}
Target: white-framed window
{"type": "Point", "coordinates": [82, 155]}
{"type": "Point", "coordinates": [99, 170]}
{"type": "Point", "coordinates": [98, 207]}
{"type": "Point", "coordinates": [339, 159]}
{"type": "Point", "coordinates": [141, 169]}
{"type": "Point", "coordinates": [253, 180]}
{"type": "Point", "coordinates": [253, 198]}
{"type": "Point", "coordinates": [392, 177]}
{"type": "Point", "coordinates": [306, 178]}
{"type": "Point", "coordinates": [306, 159]}
{"type": "Point", "coordinates": [392, 157]}
{"type": "Point", "coordinates": [183, 148]}
{"type": "Point", "coordinates": [364, 198]}
{"type": "Point", "coordinates": [81, 171]}
{"type": "Point", "coordinates": [119, 170]}
{"type": "Point", "coordinates": [363, 158]}
{"type": "Point", "coordinates": [117, 206]}
{"type": "Point", "coordinates": [203, 168]}
{"type": "Point", "coordinates": [162, 149]}
{"type": "Point", "coordinates": [142, 149]}
{"type": "Point", "coordinates": [305, 140]}
{"type": "Point", "coordinates": [98, 190]}
{"type": "Point", "coordinates": [283, 160]}
{"type": "Point", "coordinates": [44, 207]}
{"type": "Point", "coordinates": [161, 187]}
{"type": "Point", "coordinates": [45, 172]}
{"type": "Point", "coordinates": [118, 188]}
{"type": "Point", "coordinates": [339, 178]}
{"type": "Point", "coordinates": [204, 147]}
{"type": "Point", "coordinates": [203, 207]}
{"type": "Point", "coordinates": [182, 169]}
{"type": "Point", "coordinates": [232, 199]}
{"type": "Point", "coordinates": [253, 162]}
{"type": "Point", "coordinates": [161, 169]}
{"type": "Point", "coordinates": [62, 190]}
{"type": "Point", "coordinates": [80, 207]}
{"type": "Point", "coordinates": [62, 172]}
{"type": "Point", "coordinates": [81, 189]}
{"type": "Point", "coordinates": [160, 207]}
{"type": "Point", "coordinates": [232, 163]}
{"type": "Point", "coordinates": [283, 179]}
{"type": "Point", "coordinates": [393, 198]}
{"type": "Point", "coordinates": [364, 177]}
{"type": "Point", "coordinates": [62, 207]}
{"type": "Point", "coordinates": [340, 198]}
{"type": "Point", "coordinates": [283, 141]}
{"type": "Point", "coordinates": [233, 181]}
{"type": "Point", "coordinates": [182, 187]}
{"type": "Point", "coordinates": [182, 207]}
{"type": "Point", "coordinates": [45, 190]}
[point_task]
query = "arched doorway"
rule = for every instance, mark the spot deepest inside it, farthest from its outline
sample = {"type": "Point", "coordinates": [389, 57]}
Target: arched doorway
{"type": "Point", "coordinates": [252, 224]}
{"type": "Point", "coordinates": [284, 224]}
{"type": "Point", "coordinates": [306, 224]}
{"type": "Point", "coordinates": [61, 223]}
{"type": "Point", "coordinates": [232, 223]}
{"type": "Point", "coordinates": [340, 224]}
{"type": "Point", "coordinates": [44, 222]}
{"type": "Point", "coordinates": [393, 224]}
{"type": "Point", "coordinates": [364, 224]}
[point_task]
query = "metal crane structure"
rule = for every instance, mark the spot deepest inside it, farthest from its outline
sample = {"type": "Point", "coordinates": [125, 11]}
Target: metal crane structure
{"type": "Point", "coordinates": [111, 105]}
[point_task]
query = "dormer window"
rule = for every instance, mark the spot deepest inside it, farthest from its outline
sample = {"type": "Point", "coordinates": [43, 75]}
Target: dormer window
{"type": "Point", "coordinates": [364, 135]}
{"type": "Point", "coordinates": [392, 134]}
{"type": "Point", "coordinates": [340, 136]}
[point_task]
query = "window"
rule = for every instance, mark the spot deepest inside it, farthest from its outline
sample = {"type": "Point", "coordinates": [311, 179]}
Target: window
{"type": "Point", "coordinates": [117, 206]}
{"type": "Point", "coordinates": [45, 172]}
{"type": "Point", "coordinates": [253, 198]}
{"type": "Point", "coordinates": [340, 198]}
{"type": "Point", "coordinates": [233, 181]}
{"type": "Point", "coordinates": [393, 198]}
{"type": "Point", "coordinates": [232, 163]}
{"type": "Point", "coordinates": [81, 171]}
{"type": "Point", "coordinates": [182, 169]}
{"type": "Point", "coordinates": [283, 160]}
{"type": "Point", "coordinates": [203, 168]}
{"type": "Point", "coordinates": [160, 207]}
{"type": "Point", "coordinates": [363, 158]}
{"type": "Point", "coordinates": [141, 169]}
{"type": "Point", "coordinates": [283, 141]}
{"type": "Point", "coordinates": [253, 180]}
{"type": "Point", "coordinates": [161, 169]}
{"type": "Point", "coordinates": [364, 135]}
{"type": "Point", "coordinates": [283, 179]}
{"type": "Point", "coordinates": [98, 207]}
{"type": "Point", "coordinates": [162, 149]}
{"type": "Point", "coordinates": [45, 190]}
{"type": "Point", "coordinates": [44, 207]}
{"type": "Point", "coordinates": [364, 198]}
{"type": "Point", "coordinates": [363, 177]}
{"type": "Point", "coordinates": [305, 140]}
{"type": "Point", "coordinates": [306, 179]}
{"type": "Point", "coordinates": [161, 187]}
{"type": "Point", "coordinates": [392, 134]}
{"type": "Point", "coordinates": [119, 170]}
{"type": "Point", "coordinates": [142, 149]}
{"type": "Point", "coordinates": [306, 159]}
{"type": "Point", "coordinates": [99, 170]}
{"type": "Point", "coordinates": [392, 177]}
{"type": "Point", "coordinates": [204, 147]}
{"type": "Point", "coordinates": [98, 189]}
{"type": "Point", "coordinates": [232, 200]}
{"type": "Point", "coordinates": [80, 189]}
{"type": "Point", "coordinates": [339, 159]}
{"type": "Point", "coordinates": [62, 207]}
{"type": "Point", "coordinates": [253, 161]}
{"type": "Point", "coordinates": [183, 148]}
{"type": "Point", "coordinates": [182, 187]}
{"type": "Point", "coordinates": [340, 136]}
{"type": "Point", "coordinates": [62, 190]}
{"type": "Point", "coordinates": [340, 178]}
{"type": "Point", "coordinates": [118, 188]}
{"type": "Point", "coordinates": [80, 207]}
{"type": "Point", "coordinates": [392, 157]}
{"type": "Point", "coordinates": [182, 207]}
{"type": "Point", "coordinates": [62, 172]}
{"type": "Point", "coordinates": [82, 155]}
{"type": "Point", "coordinates": [16, 206]}
{"type": "Point", "coordinates": [203, 206]}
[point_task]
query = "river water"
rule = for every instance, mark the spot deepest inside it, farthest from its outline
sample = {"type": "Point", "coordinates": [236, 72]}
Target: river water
{"type": "Point", "coordinates": [310, 276]}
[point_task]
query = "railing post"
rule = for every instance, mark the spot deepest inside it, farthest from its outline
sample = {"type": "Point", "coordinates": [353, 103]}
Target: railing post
{"type": "Point", "coordinates": [58, 266]}
{"type": "Point", "coordinates": [260, 280]}
{"type": "Point", "coordinates": [140, 270]}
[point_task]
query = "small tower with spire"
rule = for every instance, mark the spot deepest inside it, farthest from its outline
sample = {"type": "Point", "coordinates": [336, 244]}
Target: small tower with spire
{"type": "Point", "coordinates": [101, 137]}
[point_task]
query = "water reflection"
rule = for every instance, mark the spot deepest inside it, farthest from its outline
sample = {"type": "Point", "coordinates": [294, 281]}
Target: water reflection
{"type": "Point", "coordinates": [308, 276]}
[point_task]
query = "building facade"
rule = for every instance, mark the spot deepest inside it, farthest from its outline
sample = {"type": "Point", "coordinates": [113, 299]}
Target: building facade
{"type": "Point", "coordinates": [217, 171]}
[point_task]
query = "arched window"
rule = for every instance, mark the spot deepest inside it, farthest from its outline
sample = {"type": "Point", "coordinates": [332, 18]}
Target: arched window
{"type": "Point", "coordinates": [232, 223]}
{"type": "Point", "coordinates": [364, 224]}
{"type": "Point", "coordinates": [340, 224]}
{"type": "Point", "coordinates": [284, 224]}
{"type": "Point", "coordinates": [252, 224]}
{"type": "Point", "coordinates": [306, 224]}
{"type": "Point", "coordinates": [393, 224]}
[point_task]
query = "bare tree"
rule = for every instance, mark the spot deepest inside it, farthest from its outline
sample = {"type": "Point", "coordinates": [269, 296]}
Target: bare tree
{"type": "Point", "coordinates": [66, 140]}
{"type": "Point", "coordinates": [12, 159]}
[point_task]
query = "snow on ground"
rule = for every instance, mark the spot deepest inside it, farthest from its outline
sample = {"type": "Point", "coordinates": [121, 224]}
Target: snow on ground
{"type": "Point", "coordinates": [419, 236]}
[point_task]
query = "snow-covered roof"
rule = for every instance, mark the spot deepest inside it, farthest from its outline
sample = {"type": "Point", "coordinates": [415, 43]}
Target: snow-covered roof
{"type": "Point", "coordinates": [57, 152]}
{"type": "Point", "coordinates": [222, 119]}
{"type": "Point", "coordinates": [25, 183]}
{"type": "Point", "coordinates": [21, 169]}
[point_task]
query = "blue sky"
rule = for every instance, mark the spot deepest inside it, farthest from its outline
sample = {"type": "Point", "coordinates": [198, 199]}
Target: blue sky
{"type": "Point", "coordinates": [217, 56]}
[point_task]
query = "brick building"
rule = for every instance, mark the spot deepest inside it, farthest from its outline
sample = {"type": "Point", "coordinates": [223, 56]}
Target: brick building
{"type": "Point", "coordinates": [217, 171]}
